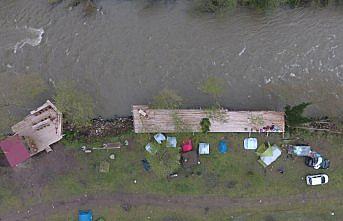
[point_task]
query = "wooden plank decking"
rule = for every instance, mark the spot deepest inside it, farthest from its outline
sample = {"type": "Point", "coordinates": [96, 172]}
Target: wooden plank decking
{"type": "Point", "coordinates": [169, 121]}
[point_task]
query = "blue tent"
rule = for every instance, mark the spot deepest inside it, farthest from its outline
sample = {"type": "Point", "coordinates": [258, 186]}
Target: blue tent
{"type": "Point", "coordinates": [85, 215]}
{"type": "Point", "coordinates": [222, 147]}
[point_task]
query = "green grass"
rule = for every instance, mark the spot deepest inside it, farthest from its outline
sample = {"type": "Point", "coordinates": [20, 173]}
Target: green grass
{"type": "Point", "coordinates": [234, 174]}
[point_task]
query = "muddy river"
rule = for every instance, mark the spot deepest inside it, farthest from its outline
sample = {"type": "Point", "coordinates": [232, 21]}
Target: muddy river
{"type": "Point", "coordinates": [130, 50]}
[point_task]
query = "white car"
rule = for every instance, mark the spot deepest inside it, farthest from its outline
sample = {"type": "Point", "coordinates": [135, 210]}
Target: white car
{"type": "Point", "coordinates": [318, 179]}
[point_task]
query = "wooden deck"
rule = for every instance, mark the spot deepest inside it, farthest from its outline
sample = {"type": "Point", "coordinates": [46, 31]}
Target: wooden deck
{"type": "Point", "coordinates": [188, 120]}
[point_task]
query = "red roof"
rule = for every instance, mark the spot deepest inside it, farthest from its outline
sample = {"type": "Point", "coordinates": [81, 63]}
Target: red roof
{"type": "Point", "coordinates": [187, 145]}
{"type": "Point", "coordinates": [14, 150]}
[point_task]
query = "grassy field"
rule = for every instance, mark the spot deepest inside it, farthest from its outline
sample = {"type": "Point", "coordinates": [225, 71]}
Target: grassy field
{"type": "Point", "coordinates": [234, 174]}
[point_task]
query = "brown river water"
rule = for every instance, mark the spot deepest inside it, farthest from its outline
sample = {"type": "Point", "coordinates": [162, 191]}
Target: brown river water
{"type": "Point", "coordinates": [130, 50]}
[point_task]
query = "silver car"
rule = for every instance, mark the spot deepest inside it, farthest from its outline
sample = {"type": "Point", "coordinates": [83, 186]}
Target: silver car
{"type": "Point", "coordinates": [313, 180]}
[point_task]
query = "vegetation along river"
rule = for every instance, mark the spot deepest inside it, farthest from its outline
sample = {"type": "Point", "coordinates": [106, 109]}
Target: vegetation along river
{"type": "Point", "coordinates": [128, 51]}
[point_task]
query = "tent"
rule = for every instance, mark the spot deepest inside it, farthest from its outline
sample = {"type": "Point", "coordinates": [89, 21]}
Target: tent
{"type": "Point", "coordinates": [187, 145]}
{"type": "Point", "coordinates": [250, 143]}
{"type": "Point", "coordinates": [269, 155]}
{"type": "Point", "coordinates": [222, 147]}
{"type": "Point", "coordinates": [204, 148]}
{"type": "Point", "coordinates": [85, 215]}
{"type": "Point", "coordinates": [171, 142]}
{"type": "Point", "coordinates": [159, 138]}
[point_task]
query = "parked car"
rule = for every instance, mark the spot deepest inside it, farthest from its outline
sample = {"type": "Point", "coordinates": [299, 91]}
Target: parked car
{"type": "Point", "coordinates": [317, 162]}
{"type": "Point", "coordinates": [313, 180]}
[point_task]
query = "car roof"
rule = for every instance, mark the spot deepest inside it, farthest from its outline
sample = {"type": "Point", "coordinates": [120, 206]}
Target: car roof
{"type": "Point", "coordinates": [317, 179]}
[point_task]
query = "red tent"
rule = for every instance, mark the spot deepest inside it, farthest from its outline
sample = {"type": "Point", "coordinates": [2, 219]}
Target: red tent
{"type": "Point", "coordinates": [14, 150]}
{"type": "Point", "coordinates": [187, 145]}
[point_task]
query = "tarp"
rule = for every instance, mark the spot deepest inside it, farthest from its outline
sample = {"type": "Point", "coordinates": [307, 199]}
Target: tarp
{"type": "Point", "coordinates": [85, 215]}
{"type": "Point", "coordinates": [301, 151]}
{"type": "Point", "coordinates": [222, 147]}
{"type": "Point", "coordinates": [151, 149]}
{"type": "Point", "coordinates": [270, 155]}
{"type": "Point", "coordinates": [14, 150]}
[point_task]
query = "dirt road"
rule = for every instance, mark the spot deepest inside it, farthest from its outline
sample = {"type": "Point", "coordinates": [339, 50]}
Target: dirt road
{"type": "Point", "coordinates": [40, 212]}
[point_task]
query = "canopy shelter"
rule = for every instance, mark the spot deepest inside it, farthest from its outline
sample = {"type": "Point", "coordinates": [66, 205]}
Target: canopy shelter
{"type": "Point", "coordinates": [148, 120]}
{"type": "Point", "coordinates": [14, 150]}
{"type": "Point", "coordinates": [269, 155]}
{"type": "Point", "coordinates": [222, 147]}
{"type": "Point", "coordinates": [85, 215]}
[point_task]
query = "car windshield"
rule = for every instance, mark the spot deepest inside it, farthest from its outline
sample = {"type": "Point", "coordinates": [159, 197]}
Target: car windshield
{"type": "Point", "coordinates": [310, 180]}
{"type": "Point", "coordinates": [323, 179]}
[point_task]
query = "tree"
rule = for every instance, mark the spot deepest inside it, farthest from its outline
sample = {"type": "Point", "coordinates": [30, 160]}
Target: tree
{"type": "Point", "coordinates": [213, 86]}
{"type": "Point", "coordinates": [294, 115]}
{"type": "Point", "coordinates": [167, 99]}
{"type": "Point", "coordinates": [76, 106]}
{"type": "Point", "coordinates": [205, 125]}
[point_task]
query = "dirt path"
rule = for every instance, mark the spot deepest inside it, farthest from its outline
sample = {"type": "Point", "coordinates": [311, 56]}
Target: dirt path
{"type": "Point", "coordinates": [42, 211]}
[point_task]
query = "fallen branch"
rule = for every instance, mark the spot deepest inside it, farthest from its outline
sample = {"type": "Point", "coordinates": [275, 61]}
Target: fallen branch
{"type": "Point", "coordinates": [317, 129]}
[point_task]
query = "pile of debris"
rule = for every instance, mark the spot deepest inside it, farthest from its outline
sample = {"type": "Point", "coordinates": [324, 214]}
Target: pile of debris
{"type": "Point", "coordinates": [323, 125]}
{"type": "Point", "coordinates": [102, 127]}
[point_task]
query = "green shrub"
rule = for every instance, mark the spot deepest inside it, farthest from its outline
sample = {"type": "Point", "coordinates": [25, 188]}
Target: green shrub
{"type": "Point", "coordinates": [205, 125]}
{"type": "Point", "coordinates": [76, 106]}
{"type": "Point", "coordinates": [54, 1]}
{"type": "Point", "coordinates": [263, 4]}
{"type": "Point", "coordinates": [214, 6]}
{"type": "Point", "coordinates": [167, 99]}
{"type": "Point", "coordinates": [294, 115]}
{"type": "Point", "coordinates": [213, 86]}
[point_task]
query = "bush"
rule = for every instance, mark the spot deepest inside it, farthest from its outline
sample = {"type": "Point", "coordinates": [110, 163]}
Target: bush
{"type": "Point", "coordinates": [76, 105]}
{"type": "Point", "coordinates": [294, 115]}
{"type": "Point", "coordinates": [213, 86]}
{"type": "Point", "coordinates": [205, 125]}
{"type": "Point", "coordinates": [214, 6]}
{"type": "Point", "coordinates": [263, 4]}
{"type": "Point", "coordinates": [89, 8]}
{"type": "Point", "coordinates": [167, 99]}
{"type": "Point", "coordinates": [54, 1]}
